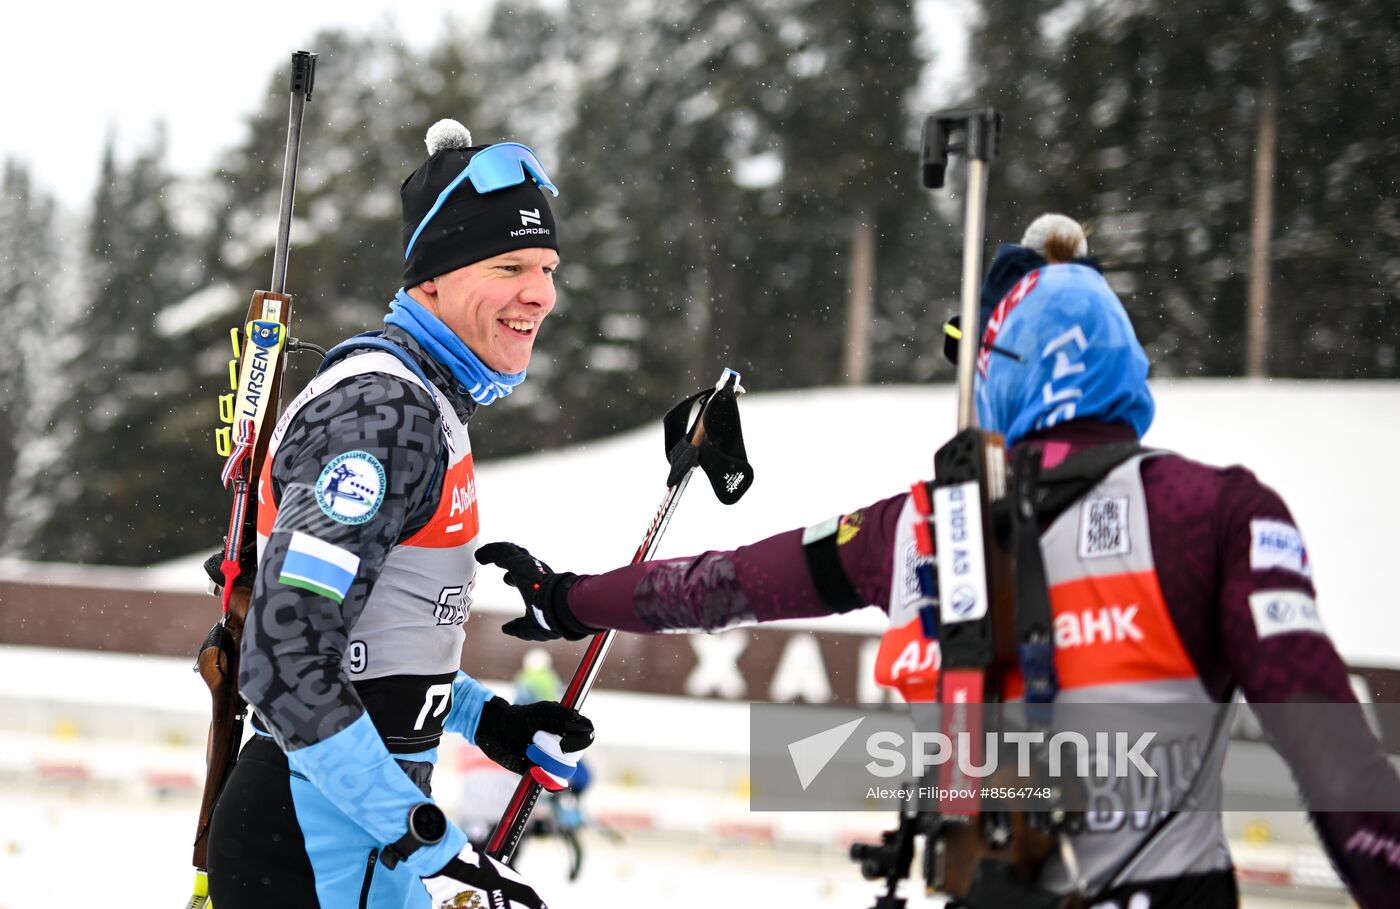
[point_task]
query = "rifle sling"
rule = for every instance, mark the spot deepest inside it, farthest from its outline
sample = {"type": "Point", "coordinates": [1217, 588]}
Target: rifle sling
{"type": "Point", "coordinates": [1038, 498]}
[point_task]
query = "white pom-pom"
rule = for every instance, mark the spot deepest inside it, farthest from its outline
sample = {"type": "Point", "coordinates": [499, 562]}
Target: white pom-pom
{"type": "Point", "coordinates": [1046, 226]}
{"type": "Point", "coordinates": [447, 134]}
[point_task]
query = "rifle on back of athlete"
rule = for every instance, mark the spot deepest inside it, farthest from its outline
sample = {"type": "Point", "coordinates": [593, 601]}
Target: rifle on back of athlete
{"type": "Point", "coordinates": [255, 374]}
{"type": "Point", "coordinates": [987, 606]}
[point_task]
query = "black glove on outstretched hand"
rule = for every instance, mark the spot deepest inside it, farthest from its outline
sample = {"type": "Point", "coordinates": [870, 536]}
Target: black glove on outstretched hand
{"type": "Point", "coordinates": [506, 731]}
{"type": "Point", "coordinates": [545, 592]}
{"type": "Point", "coordinates": [721, 454]}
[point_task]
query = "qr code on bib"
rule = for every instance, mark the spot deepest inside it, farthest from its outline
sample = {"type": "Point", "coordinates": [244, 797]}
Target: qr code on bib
{"type": "Point", "coordinates": [1103, 527]}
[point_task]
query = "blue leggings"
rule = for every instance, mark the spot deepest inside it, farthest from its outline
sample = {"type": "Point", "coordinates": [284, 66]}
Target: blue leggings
{"type": "Point", "coordinates": [276, 842]}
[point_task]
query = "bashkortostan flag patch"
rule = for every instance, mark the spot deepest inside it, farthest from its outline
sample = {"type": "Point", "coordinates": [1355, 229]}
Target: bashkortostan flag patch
{"type": "Point", "coordinates": [315, 565]}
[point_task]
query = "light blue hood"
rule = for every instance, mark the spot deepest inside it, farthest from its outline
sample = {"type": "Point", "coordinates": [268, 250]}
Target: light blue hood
{"type": "Point", "coordinates": [1083, 360]}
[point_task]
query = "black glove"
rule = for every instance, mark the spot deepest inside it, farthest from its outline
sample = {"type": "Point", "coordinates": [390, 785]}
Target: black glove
{"type": "Point", "coordinates": [247, 566]}
{"type": "Point", "coordinates": [506, 731]}
{"type": "Point", "coordinates": [474, 879]}
{"type": "Point", "coordinates": [545, 592]}
{"type": "Point", "coordinates": [721, 455]}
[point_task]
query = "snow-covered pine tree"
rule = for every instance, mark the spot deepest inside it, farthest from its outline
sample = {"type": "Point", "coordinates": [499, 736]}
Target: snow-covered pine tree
{"type": "Point", "coordinates": [134, 442]}
{"type": "Point", "coordinates": [1143, 117]}
{"type": "Point", "coordinates": [32, 323]}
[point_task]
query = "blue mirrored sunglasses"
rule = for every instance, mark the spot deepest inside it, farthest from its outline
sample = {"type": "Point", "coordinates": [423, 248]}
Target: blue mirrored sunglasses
{"type": "Point", "coordinates": [496, 167]}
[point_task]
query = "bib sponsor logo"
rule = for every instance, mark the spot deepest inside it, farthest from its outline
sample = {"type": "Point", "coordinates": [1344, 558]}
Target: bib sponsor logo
{"type": "Point", "coordinates": [351, 487]}
{"type": "Point", "coordinates": [1103, 527]}
{"type": "Point", "coordinates": [463, 497]}
{"type": "Point", "coordinates": [1277, 544]}
{"type": "Point", "coordinates": [1105, 625]}
{"type": "Point", "coordinates": [918, 656]}
{"type": "Point", "coordinates": [453, 604]}
{"type": "Point", "coordinates": [1284, 611]}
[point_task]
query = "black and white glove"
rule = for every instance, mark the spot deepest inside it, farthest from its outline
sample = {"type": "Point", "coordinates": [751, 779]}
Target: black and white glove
{"type": "Point", "coordinates": [545, 592]}
{"type": "Point", "coordinates": [473, 879]}
{"type": "Point", "coordinates": [544, 739]}
{"type": "Point", "coordinates": [720, 454]}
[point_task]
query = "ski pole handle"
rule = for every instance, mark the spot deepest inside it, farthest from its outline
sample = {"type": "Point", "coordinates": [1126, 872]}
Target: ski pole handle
{"type": "Point", "coordinates": [506, 837]}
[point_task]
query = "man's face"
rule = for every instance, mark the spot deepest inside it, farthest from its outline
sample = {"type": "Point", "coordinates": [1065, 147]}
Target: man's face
{"type": "Point", "coordinates": [496, 305]}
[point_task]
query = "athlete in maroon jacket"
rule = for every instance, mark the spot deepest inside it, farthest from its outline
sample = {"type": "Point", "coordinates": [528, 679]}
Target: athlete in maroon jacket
{"type": "Point", "coordinates": [1170, 582]}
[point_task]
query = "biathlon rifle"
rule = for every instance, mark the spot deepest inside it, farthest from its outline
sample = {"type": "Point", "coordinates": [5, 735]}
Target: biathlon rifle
{"type": "Point", "coordinates": [973, 516]}
{"type": "Point", "coordinates": [255, 375]}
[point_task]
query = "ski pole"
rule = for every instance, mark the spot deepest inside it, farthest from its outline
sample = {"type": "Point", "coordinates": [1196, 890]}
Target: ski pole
{"type": "Point", "coordinates": [506, 837]}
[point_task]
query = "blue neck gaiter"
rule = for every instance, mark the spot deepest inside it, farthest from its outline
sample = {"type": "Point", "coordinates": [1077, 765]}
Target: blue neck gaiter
{"type": "Point", "coordinates": [483, 383]}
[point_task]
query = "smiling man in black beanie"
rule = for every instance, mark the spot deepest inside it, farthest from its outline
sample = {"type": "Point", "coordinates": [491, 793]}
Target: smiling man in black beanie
{"type": "Point", "coordinates": [366, 535]}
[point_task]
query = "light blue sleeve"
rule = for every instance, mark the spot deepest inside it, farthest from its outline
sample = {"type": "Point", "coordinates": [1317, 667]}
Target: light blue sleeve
{"type": "Point", "coordinates": [359, 776]}
{"type": "Point", "coordinates": [468, 697]}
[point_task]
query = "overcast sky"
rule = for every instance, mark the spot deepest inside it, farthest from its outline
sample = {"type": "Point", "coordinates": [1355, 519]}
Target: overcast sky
{"type": "Point", "coordinates": [71, 72]}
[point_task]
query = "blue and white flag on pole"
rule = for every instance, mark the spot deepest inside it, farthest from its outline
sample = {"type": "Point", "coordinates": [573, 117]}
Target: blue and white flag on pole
{"type": "Point", "coordinates": [315, 565]}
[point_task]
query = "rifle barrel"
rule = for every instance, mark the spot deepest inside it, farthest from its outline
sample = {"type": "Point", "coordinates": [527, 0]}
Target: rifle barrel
{"type": "Point", "coordinates": [303, 77]}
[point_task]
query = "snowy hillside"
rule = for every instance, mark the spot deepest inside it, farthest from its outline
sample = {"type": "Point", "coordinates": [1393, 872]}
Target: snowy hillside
{"type": "Point", "coordinates": [817, 453]}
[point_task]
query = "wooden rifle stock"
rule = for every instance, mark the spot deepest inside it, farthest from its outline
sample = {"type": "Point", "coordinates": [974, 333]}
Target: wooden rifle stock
{"type": "Point", "coordinates": [218, 667]}
{"type": "Point", "coordinates": [217, 662]}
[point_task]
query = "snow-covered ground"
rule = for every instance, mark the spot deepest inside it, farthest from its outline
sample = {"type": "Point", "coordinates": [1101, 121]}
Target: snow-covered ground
{"type": "Point", "coordinates": [62, 847]}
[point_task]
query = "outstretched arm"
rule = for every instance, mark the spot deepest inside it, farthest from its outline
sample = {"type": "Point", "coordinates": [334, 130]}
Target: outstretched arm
{"type": "Point", "coordinates": [779, 577]}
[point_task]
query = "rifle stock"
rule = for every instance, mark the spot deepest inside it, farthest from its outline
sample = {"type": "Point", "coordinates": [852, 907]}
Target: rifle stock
{"type": "Point", "coordinates": [218, 667]}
